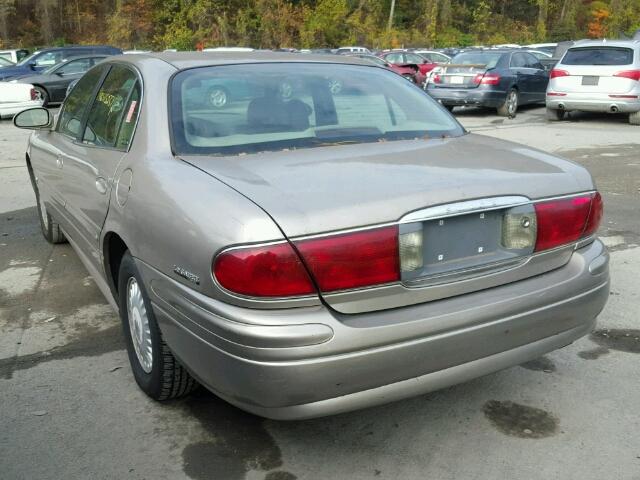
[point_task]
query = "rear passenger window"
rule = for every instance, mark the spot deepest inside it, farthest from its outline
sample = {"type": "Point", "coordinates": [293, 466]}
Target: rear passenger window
{"type": "Point", "coordinates": [518, 60]}
{"type": "Point", "coordinates": [111, 106]}
{"type": "Point", "coordinates": [76, 103]}
{"type": "Point", "coordinates": [598, 56]}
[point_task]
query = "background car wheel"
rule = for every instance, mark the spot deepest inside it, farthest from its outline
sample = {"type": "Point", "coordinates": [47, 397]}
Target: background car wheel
{"type": "Point", "coordinates": [155, 369]}
{"type": "Point", "coordinates": [555, 114]}
{"type": "Point", "coordinates": [43, 94]}
{"type": "Point", "coordinates": [409, 77]}
{"type": "Point", "coordinates": [510, 105]}
{"type": "Point", "coordinates": [449, 107]}
{"type": "Point", "coordinates": [50, 229]}
{"type": "Point", "coordinates": [218, 97]}
{"type": "Point", "coordinates": [634, 118]}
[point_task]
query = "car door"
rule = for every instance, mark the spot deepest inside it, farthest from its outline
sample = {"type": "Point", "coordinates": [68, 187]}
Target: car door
{"type": "Point", "coordinates": [49, 148]}
{"type": "Point", "coordinates": [518, 66]}
{"type": "Point", "coordinates": [539, 78]}
{"type": "Point", "coordinates": [61, 77]}
{"type": "Point", "coordinates": [94, 158]}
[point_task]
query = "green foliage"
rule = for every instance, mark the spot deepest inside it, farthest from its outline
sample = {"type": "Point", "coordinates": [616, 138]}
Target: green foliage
{"type": "Point", "coordinates": [185, 24]}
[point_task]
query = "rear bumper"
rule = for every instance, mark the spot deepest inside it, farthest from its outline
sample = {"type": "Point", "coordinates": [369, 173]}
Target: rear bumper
{"type": "Point", "coordinates": [468, 96]}
{"type": "Point", "coordinates": [11, 109]}
{"type": "Point", "coordinates": [308, 362]}
{"type": "Point", "coordinates": [592, 102]}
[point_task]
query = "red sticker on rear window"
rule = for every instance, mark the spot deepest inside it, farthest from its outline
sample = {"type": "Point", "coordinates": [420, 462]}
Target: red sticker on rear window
{"type": "Point", "coordinates": [132, 109]}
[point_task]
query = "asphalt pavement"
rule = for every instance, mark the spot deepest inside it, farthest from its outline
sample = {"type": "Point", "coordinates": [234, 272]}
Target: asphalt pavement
{"type": "Point", "coordinates": [70, 409]}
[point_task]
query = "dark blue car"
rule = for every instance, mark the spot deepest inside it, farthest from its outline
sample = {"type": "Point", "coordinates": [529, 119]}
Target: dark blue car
{"type": "Point", "coordinates": [48, 57]}
{"type": "Point", "coordinates": [500, 79]}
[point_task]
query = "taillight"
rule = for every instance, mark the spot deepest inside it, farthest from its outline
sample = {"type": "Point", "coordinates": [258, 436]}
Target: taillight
{"type": "Point", "coordinates": [263, 271]}
{"type": "Point", "coordinates": [558, 73]}
{"type": "Point", "coordinates": [352, 260]}
{"type": "Point", "coordinates": [486, 79]}
{"type": "Point", "coordinates": [566, 220]}
{"type": "Point", "coordinates": [630, 74]}
{"type": "Point", "coordinates": [34, 94]}
{"type": "Point", "coordinates": [595, 215]}
{"type": "Point", "coordinates": [437, 78]}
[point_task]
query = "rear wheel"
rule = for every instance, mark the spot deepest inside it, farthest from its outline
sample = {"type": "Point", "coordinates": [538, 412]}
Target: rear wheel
{"type": "Point", "coordinates": [634, 118]}
{"type": "Point", "coordinates": [448, 107]}
{"type": "Point", "coordinates": [510, 105]}
{"type": "Point", "coordinates": [155, 369]}
{"type": "Point", "coordinates": [42, 93]}
{"type": "Point", "coordinates": [555, 114]}
{"type": "Point", "coordinates": [50, 229]}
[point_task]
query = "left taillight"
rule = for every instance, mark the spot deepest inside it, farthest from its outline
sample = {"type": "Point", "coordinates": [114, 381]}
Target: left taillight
{"type": "Point", "coordinates": [34, 94]}
{"type": "Point", "coordinates": [566, 220]}
{"type": "Point", "coordinates": [263, 271]}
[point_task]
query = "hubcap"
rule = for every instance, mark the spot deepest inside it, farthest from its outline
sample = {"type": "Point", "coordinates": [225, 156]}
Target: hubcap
{"type": "Point", "coordinates": [43, 212]}
{"type": "Point", "coordinates": [218, 98]}
{"type": "Point", "coordinates": [512, 104]}
{"type": "Point", "coordinates": [139, 325]}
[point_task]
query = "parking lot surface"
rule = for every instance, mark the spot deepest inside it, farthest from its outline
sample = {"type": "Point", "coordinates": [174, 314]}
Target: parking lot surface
{"type": "Point", "coordinates": [69, 407]}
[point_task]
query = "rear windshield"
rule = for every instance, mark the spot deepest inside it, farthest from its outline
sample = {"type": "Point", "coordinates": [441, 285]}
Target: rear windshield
{"type": "Point", "coordinates": [598, 56]}
{"type": "Point", "coordinates": [477, 58]}
{"type": "Point", "coordinates": [235, 109]}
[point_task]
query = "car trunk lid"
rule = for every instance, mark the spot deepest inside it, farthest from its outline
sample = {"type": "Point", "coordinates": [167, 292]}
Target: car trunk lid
{"type": "Point", "coordinates": [342, 188]}
{"type": "Point", "coordinates": [460, 76]}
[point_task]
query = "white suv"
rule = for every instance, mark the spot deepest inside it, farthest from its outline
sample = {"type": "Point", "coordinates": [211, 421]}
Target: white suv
{"type": "Point", "coordinates": [596, 76]}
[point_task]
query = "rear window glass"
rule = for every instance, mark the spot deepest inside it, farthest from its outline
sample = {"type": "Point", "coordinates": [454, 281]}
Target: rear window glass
{"type": "Point", "coordinates": [237, 109]}
{"type": "Point", "coordinates": [598, 56]}
{"type": "Point", "coordinates": [488, 59]}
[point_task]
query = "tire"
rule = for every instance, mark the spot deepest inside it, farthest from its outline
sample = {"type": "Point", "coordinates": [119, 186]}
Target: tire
{"type": "Point", "coordinates": [155, 369]}
{"type": "Point", "coordinates": [409, 77]}
{"type": "Point", "coordinates": [448, 107]}
{"type": "Point", "coordinates": [218, 97]}
{"type": "Point", "coordinates": [634, 118]}
{"type": "Point", "coordinates": [50, 229]}
{"type": "Point", "coordinates": [44, 95]}
{"type": "Point", "coordinates": [555, 114]}
{"type": "Point", "coordinates": [510, 105]}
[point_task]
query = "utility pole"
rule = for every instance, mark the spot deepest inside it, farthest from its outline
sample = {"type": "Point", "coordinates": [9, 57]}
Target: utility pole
{"type": "Point", "coordinates": [393, 7]}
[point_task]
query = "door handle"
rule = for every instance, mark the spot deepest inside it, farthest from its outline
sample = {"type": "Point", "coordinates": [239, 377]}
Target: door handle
{"type": "Point", "coordinates": [101, 185]}
{"type": "Point", "coordinates": [59, 161]}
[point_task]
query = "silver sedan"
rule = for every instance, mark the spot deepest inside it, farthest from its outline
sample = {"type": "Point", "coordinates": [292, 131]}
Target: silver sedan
{"type": "Point", "coordinates": [310, 235]}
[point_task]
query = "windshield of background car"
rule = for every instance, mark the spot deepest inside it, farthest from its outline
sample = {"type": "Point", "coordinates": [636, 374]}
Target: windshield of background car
{"type": "Point", "coordinates": [236, 109]}
{"type": "Point", "coordinates": [598, 56]}
{"type": "Point", "coordinates": [477, 58]}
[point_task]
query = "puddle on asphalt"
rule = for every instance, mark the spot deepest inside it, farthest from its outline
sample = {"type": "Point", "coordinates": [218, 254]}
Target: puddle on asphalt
{"type": "Point", "coordinates": [239, 442]}
{"type": "Point", "coordinates": [593, 354]}
{"type": "Point", "coordinates": [623, 340]}
{"type": "Point", "coordinates": [520, 420]}
{"type": "Point", "coordinates": [87, 342]}
{"type": "Point", "coordinates": [542, 364]}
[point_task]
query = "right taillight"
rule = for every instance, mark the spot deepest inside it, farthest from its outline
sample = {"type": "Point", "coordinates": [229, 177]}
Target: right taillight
{"type": "Point", "coordinates": [630, 74]}
{"type": "Point", "coordinates": [556, 72]}
{"type": "Point", "coordinates": [566, 220]}
{"type": "Point", "coordinates": [34, 94]}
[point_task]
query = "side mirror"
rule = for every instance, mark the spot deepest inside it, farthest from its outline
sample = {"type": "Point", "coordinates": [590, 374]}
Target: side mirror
{"type": "Point", "coordinates": [33, 119]}
{"type": "Point", "coordinates": [32, 65]}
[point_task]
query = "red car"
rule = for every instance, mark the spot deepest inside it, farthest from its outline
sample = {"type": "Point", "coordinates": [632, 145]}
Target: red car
{"type": "Point", "coordinates": [410, 72]}
{"type": "Point", "coordinates": [410, 59]}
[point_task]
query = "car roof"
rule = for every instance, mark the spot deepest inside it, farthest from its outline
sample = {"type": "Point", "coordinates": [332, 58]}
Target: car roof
{"type": "Point", "coordinates": [606, 43]}
{"type": "Point", "coordinates": [185, 60]}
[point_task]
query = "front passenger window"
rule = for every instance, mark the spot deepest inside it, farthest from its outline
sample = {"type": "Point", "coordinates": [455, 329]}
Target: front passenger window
{"type": "Point", "coordinates": [110, 107]}
{"type": "Point", "coordinates": [76, 103]}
